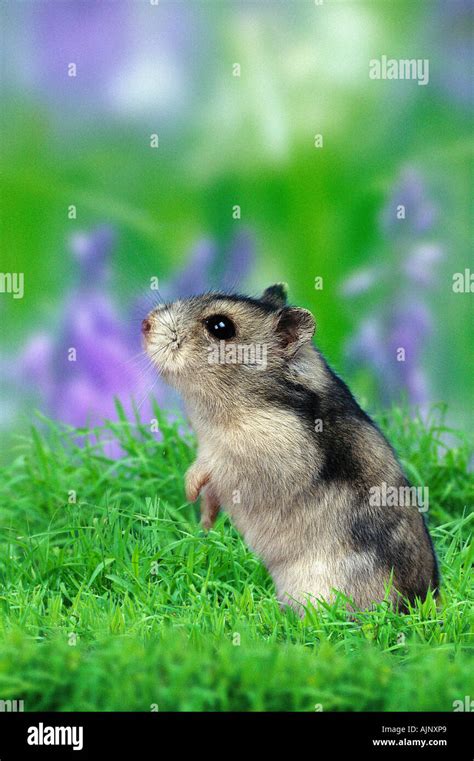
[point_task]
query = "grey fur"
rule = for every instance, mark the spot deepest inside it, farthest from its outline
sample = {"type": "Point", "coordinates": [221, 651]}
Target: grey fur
{"type": "Point", "coordinates": [290, 455]}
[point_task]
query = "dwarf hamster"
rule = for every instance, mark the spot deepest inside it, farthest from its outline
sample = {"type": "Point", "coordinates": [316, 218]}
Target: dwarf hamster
{"type": "Point", "coordinates": [286, 451]}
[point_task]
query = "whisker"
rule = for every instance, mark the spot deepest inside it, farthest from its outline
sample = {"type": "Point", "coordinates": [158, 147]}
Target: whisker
{"type": "Point", "coordinates": [158, 351]}
{"type": "Point", "coordinates": [168, 311]}
{"type": "Point", "coordinates": [148, 392]}
{"type": "Point", "coordinates": [145, 303]}
{"type": "Point", "coordinates": [140, 361]}
{"type": "Point", "coordinates": [139, 355]}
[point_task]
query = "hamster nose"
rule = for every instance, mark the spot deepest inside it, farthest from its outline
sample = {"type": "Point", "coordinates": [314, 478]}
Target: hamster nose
{"type": "Point", "coordinates": [146, 326]}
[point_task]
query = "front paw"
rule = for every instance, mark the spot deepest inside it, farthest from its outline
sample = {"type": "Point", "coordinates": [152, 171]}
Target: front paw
{"type": "Point", "coordinates": [196, 478]}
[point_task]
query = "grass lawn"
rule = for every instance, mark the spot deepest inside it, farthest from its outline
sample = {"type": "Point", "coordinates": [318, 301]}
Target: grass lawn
{"type": "Point", "coordinates": [112, 597]}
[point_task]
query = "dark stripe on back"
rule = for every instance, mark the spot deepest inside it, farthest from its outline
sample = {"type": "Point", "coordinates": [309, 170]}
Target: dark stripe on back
{"type": "Point", "coordinates": [340, 415]}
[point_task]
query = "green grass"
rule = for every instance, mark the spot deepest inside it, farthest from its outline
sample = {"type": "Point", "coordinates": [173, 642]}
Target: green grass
{"type": "Point", "coordinates": [118, 601]}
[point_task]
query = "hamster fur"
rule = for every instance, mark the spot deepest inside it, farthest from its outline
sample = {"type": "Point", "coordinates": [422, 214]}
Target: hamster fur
{"type": "Point", "coordinates": [286, 451]}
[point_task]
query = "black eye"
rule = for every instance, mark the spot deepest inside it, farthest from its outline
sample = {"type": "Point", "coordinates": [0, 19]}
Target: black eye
{"type": "Point", "coordinates": [220, 327]}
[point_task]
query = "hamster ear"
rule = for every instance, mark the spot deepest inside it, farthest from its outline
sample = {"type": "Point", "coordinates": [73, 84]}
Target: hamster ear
{"type": "Point", "coordinates": [276, 295]}
{"type": "Point", "coordinates": [295, 327]}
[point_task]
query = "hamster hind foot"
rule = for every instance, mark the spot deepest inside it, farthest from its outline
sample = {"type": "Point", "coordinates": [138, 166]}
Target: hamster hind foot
{"type": "Point", "coordinates": [209, 508]}
{"type": "Point", "coordinates": [196, 479]}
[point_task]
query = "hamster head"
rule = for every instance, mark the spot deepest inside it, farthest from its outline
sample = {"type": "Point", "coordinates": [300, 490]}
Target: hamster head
{"type": "Point", "coordinates": [204, 344]}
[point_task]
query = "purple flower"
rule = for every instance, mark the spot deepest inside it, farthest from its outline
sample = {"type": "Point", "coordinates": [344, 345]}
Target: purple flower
{"type": "Point", "coordinates": [78, 370]}
{"type": "Point", "coordinates": [90, 34]}
{"type": "Point", "coordinates": [239, 259]}
{"type": "Point", "coordinates": [408, 210]}
{"type": "Point", "coordinates": [361, 281]}
{"type": "Point", "coordinates": [367, 346]}
{"type": "Point", "coordinates": [81, 368]}
{"type": "Point", "coordinates": [453, 23]}
{"type": "Point", "coordinates": [408, 328]}
{"type": "Point", "coordinates": [207, 269]}
{"type": "Point", "coordinates": [92, 252]}
{"type": "Point", "coordinates": [419, 265]}
{"type": "Point", "coordinates": [131, 59]}
{"type": "Point", "coordinates": [391, 339]}
{"type": "Point", "coordinates": [195, 277]}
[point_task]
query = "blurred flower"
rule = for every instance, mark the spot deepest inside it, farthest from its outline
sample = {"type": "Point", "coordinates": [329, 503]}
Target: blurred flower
{"type": "Point", "coordinates": [367, 345]}
{"type": "Point", "coordinates": [208, 270]}
{"type": "Point", "coordinates": [391, 339]}
{"type": "Point", "coordinates": [361, 281]}
{"type": "Point", "coordinates": [90, 34]}
{"type": "Point", "coordinates": [453, 27]}
{"type": "Point", "coordinates": [240, 257]}
{"type": "Point", "coordinates": [195, 277]}
{"type": "Point", "coordinates": [79, 370]}
{"type": "Point", "coordinates": [419, 265]}
{"type": "Point", "coordinates": [408, 327]}
{"type": "Point", "coordinates": [132, 59]}
{"type": "Point", "coordinates": [409, 199]}
{"type": "Point", "coordinates": [92, 250]}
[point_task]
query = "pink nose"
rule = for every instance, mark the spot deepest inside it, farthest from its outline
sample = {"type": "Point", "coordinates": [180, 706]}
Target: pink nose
{"type": "Point", "coordinates": [146, 326]}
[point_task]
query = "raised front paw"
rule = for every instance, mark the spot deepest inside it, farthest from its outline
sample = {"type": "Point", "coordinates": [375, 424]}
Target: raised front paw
{"type": "Point", "coordinates": [196, 478]}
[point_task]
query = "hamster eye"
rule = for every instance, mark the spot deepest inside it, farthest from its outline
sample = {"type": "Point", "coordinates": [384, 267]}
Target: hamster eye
{"type": "Point", "coordinates": [220, 327]}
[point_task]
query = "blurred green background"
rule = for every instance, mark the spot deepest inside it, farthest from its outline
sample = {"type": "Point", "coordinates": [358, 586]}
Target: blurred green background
{"type": "Point", "coordinates": [167, 69]}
